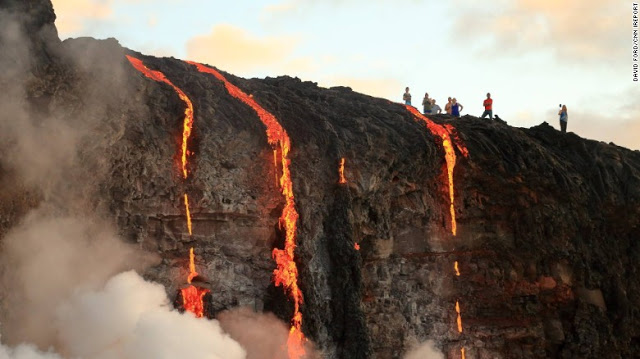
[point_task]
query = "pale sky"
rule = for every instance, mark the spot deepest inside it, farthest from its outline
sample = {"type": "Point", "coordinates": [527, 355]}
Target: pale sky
{"type": "Point", "coordinates": [531, 55]}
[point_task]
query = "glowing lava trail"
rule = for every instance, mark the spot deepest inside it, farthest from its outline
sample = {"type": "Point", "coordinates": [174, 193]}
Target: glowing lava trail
{"type": "Point", "coordinates": [459, 320]}
{"type": "Point", "coordinates": [286, 272]}
{"type": "Point", "coordinates": [192, 297]}
{"type": "Point", "coordinates": [450, 156]}
{"type": "Point", "coordinates": [187, 123]}
{"type": "Point", "coordinates": [343, 180]}
{"type": "Point", "coordinates": [449, 137]}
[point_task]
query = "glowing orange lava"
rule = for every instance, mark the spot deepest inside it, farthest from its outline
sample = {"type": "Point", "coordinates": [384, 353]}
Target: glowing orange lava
{"type": "Point", "coordinates": [450, 157]}
{"type": "Point", "coordinates": [193, 297]}
{"type": "Point", "coordinates": [275, 164]}
{"type": "Point", "coordinates": [192, 266]}
{"type": "Point", "coordinates": [356, 246]}
{"type": "Point", "coordinates": [456, 268]}
{"type": "Point", "coordinates": [459, 319]}
{"type": "Point", "coordinates": [186, 206]}
{"type": "Point", "coordinates": [462, 353]}
{"type": "Point", "coordinates": [187, 123]}
{"type": "Point", "coordinates": [286, 272]}
{"type": "Point", "coordinates": [188, 112]}
{"type": "Point", "coordinates": [341, 172]}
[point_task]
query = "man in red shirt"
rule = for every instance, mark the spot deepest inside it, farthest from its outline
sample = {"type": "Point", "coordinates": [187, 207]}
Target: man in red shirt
{"type": "Point", "coordinates": [488, 107]}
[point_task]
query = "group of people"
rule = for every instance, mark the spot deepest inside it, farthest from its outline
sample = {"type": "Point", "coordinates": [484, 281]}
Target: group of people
{"type": "Point", "coordinates": [453, 107]}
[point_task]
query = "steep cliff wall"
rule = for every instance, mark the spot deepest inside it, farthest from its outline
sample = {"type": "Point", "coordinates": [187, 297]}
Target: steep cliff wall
{"type": "Point", "coordinates": [547, 243]}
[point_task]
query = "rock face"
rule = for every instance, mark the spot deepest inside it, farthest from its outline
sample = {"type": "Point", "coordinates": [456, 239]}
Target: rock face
{"type": "Point", "coordinates": [547, 244]}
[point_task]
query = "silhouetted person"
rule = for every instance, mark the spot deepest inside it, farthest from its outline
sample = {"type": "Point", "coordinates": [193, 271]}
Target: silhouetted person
{"type": "Point", "coordinates": [426, 104]}
{"type": "Point", "coordinates": [488, 107]}
{"type": "Point", "coordinates": [456, 108]}
{"type": "Point", "coordinates": [407, 97]}
{"type": "Point", "coordinates": [564, 117]}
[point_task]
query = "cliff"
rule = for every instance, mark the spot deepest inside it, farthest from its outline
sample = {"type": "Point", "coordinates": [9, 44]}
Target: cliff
{"type": "Point", "coordinates": [547, 242]}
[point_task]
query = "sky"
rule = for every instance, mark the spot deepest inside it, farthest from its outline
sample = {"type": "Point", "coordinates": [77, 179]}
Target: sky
{"type": "Point", "coordinates": [532, 55]}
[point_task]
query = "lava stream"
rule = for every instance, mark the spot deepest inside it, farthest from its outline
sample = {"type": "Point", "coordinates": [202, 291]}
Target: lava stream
{"type": "Point", "coordinates": [188, 112]}
{"type": "Point", "coordinates": [187, 123]}
{"type": "Point", "coordinates": [186, 205]}
{"type": "Point", "coordinates": [450, 156]}
{"type": "Point", "coordinates": [192, 296]}
{"type": "Point", "coordinates": [462, 353]}
{"type": "Point", "coordinates": [341, 172]}
{"type": "Point", "coordinates": [459, 319]}
{"type": "Point", "coordinates": [286, 272]}
{"type": "Point", "coordinates": [456, 268]}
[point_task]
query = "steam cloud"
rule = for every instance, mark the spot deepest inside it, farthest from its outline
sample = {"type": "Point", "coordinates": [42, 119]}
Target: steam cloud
{"type": "Point", "coordinates": [128, 319]}
{"type": "Point", "coordinates": [68, 288]}
{"type": "Point", "coordinates": [426, 351]}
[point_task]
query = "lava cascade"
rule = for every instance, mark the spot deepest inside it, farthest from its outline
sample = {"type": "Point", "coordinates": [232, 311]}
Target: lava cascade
{"type": "Point", "coordinates": [459, 319]}
{"type": "Point", "coordinates": [444, 132]}
{"type": "Point", "coordinates": [450, 138]}
{"type": "Point", "coordinates": [192, 296]}
{"type": "Point", "coordinates": [187, 123]}
{"type": "Point", "coordinates": [286, 272]}
{"type": "Point", "coordinates": [343, 180]}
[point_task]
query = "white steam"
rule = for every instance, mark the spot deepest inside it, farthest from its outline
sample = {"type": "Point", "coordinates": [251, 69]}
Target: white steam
{"type": "Point", "coordinates": [129, 318]}
{"type": "Point", "coordinates": [427, 350]}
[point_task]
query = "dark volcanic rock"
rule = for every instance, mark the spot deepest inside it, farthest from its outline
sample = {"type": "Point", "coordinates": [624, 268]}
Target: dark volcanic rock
{"type": "Point", "coordinates": [547, 242]}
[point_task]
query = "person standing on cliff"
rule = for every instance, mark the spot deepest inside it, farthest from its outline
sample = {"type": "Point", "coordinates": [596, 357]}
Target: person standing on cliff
{"type": "Point", "coordinates": [564, 117]}
{"type": "Point", "coordinates": [435, 109]}
{"type": "Point", "coordinates": [488, 107]}
{"type": "Point", "coordinates": [456, 108]}
{"type": "Point", "coordinates": [426, 103]}
{"type": "Point", "coordinates": [447, 107]}
{"type": "Point", "coordinates": [407, 97]}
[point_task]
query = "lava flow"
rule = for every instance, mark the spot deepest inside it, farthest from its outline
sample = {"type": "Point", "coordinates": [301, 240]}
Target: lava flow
{"type": "Point", "coordinates": [343, 180]}
{"type": "Point", "coordinates": [456, 268]}
{"type": "Point", "coordinates": [187, 123]}
{"type": "Point", "coordinates": [286, 272]}
{"type": "Point", "coordinates": [192, 296]}
{"type": "Point", "coordinates": [459, 319]}
{"type": "Point", "coordinates": [450, 156]}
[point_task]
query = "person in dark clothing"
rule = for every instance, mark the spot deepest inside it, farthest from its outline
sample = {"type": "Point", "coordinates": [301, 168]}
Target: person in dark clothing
{"type": "Point", "coordinates": [456, 108]}
{"type": "Point", "coordinates": [564, 117]}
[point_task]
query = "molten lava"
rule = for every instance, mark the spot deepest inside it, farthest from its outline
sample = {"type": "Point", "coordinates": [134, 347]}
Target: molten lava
{"type": "Point", "coordinates": [450, 156]}
{"type": "Point", "coordinates": [286, 272]}
{"type": "Point", "coordinates": [356, 246]}
{"type": "Point", "coordinates": [275, 164]}
{"type": "Point", "coordinates": [188, 112]}
{"type": "Point", "coordinates": [192, 296]}
{"type": "Point", "coordinates": [341, 172]}
{"type": "Point", "coordinates": [186, 206]}
{"type": "Point", "coordinates": [187, 123]}
{"type": "Point", "coordinates": [462, 353]}
{"type": "Point", "coordinates": [456, 268]}
{"type": "Point", "coordinates": [459, 319]}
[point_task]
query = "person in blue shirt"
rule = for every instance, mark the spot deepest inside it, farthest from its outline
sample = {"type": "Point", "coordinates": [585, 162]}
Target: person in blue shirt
{"type": "Point", "coordinates": [456, 108]}
{"type": "Point", "coordinates": [564, 117]}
